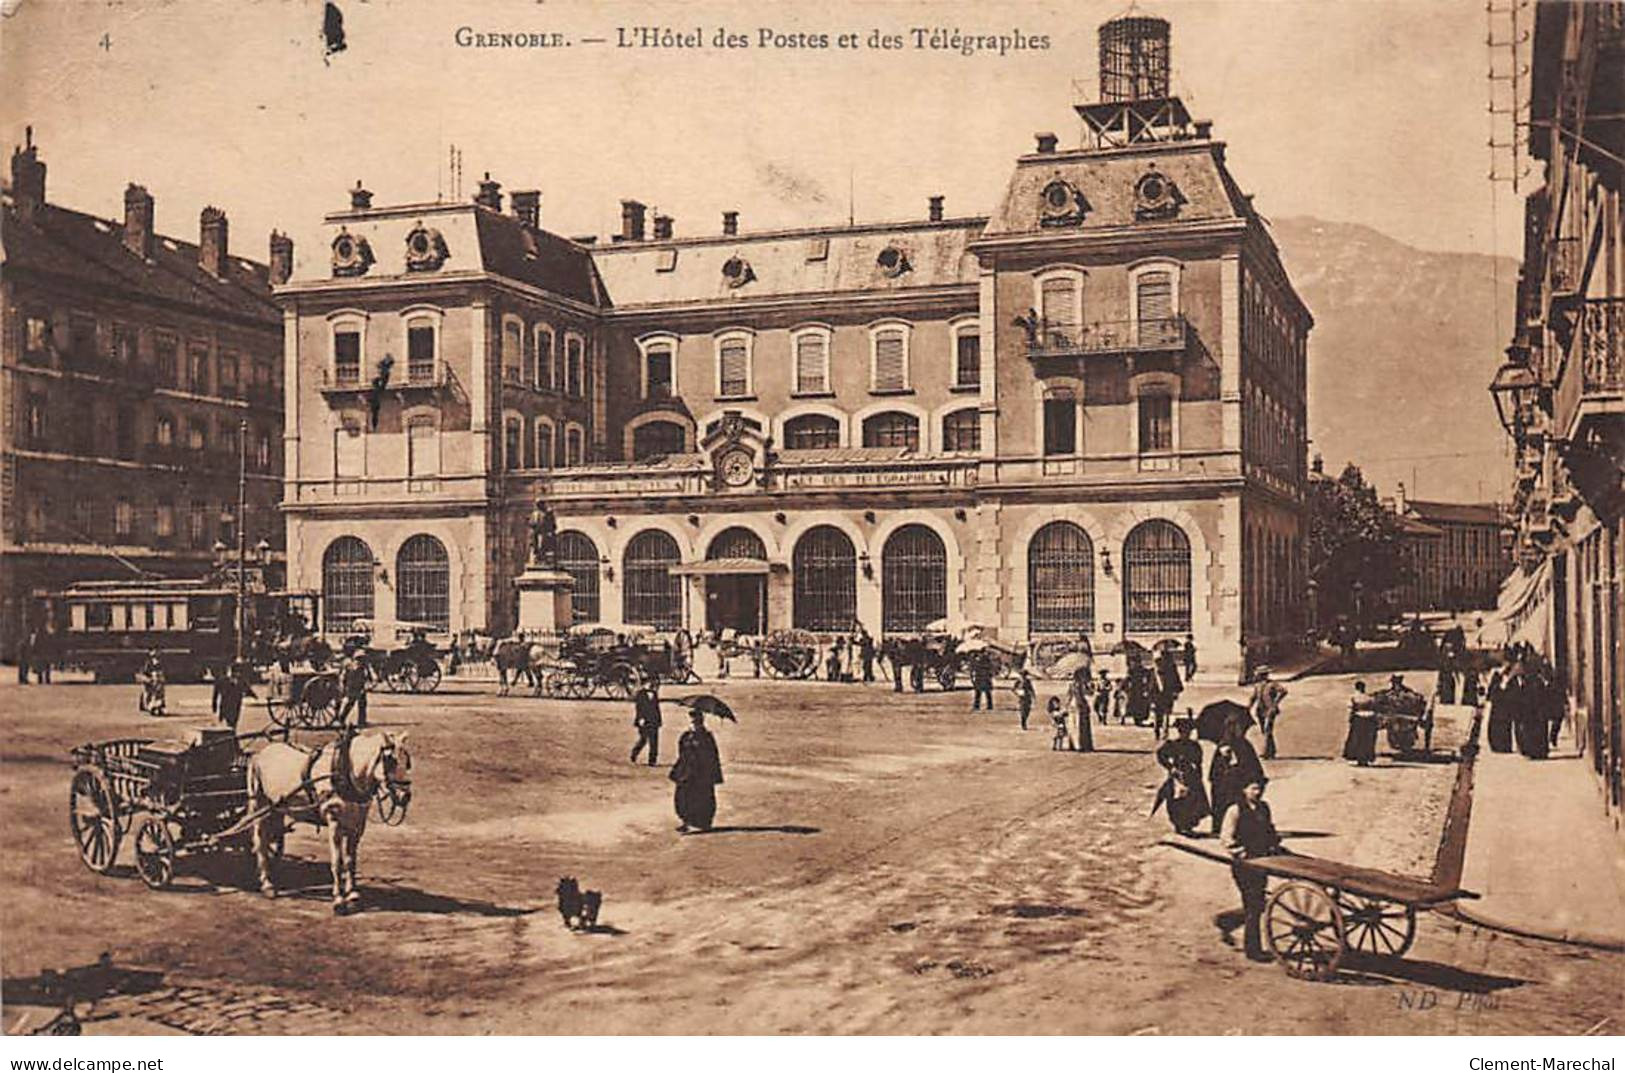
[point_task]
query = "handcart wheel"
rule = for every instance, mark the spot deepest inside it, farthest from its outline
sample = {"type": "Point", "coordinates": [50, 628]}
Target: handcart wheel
{"type": "Point", "coordinates": [93, 818]}
{"type": "Point", "coordinates": [1375, 926]}
{"type": "Point", "coordinates": [622, 682]}
{"type": "Point", "coordinates": [1402, 738]}
{"type": "Point", "coordinates": [426, 679]}
{"type": "Point", "coordinates": [1305, 930]}
{"type": "Point", "coordinates": [155, 853]}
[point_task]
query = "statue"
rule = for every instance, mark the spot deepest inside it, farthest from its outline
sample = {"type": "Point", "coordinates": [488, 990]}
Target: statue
{"type": "Point", "coordinates": [544, 536]}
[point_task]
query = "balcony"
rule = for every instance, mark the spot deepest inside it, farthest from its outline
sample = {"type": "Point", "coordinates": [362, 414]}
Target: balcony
{"type": "Point", "coordinates": [419, 378]}
{"type": "Point", "coordinates": [1164, 335]}
{"type": "Point", "coordinates": [1566, 265]}
{"type": "Point", "coordinates": [1602, 339]}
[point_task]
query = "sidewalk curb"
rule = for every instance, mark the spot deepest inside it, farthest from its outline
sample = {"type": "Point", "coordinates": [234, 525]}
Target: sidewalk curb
{"type": "Point", "coordinates": [1592, 940]}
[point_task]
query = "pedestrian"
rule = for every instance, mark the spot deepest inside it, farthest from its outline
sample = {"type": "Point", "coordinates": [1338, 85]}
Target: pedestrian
{"type": "Point", "coordinates": [1360, 744]}
{"type": "Point", "coordinates": [832, 662]}
{"type": "Point", "coordinates": [1534, 713]}
{"type": "Point", "coordinates": [1471, 688]}
{"type": "Point", "coordinates": [1025, 694]}
{"type": "Point", "coordinates": [353, 684]}
{"type": "Point", "coordinates": [25, 655]}
{"type": "Point", "coordinates": [1062, 738]}
{"type": "Point", "coordinates": [1247, 833]}
{"type": "Point", "coordinates": [756, 644]}
{"type": "Point", "coordinates": [1501, 702]}
{"type": "Point", "coordinates": [697, 773]}
{"type": "Point", "coordinates": [1103, 697]}
{"type": "Point", "coordinates": [230, 687]}
{"type": "Point", "coordinates": [866, 654]}
{"type": "Point", "coordinates": [894, 657]}
{"type": "Point", "coordinates": [1182, 790]}
{"type": "Point", "coordinates": [1189, 654]}
{"type": "Point", "coordinates": [1266, 707]}
{"type": "Point", "coordinates": [1445, 687]}
{"type": "Point", "coordinates": [723, 643]}
{"type": "Point", "coordinates": [153, 692]}
{"type": "Point", "coordinates": [1077, 701]}
{"type": "Point", "coordinates": [981, 680]}
{"type": "Point", "coordinates": [1556, 703]}
{"type": "Point", "coordinates": [1235, 763]}
{"type": "Point", "coordinates": [44, 653]}
{"type": "Point", "coordinates": [646, 718]}
{"type": "Point", "coordinates": [1140, 687]}
{"type": "Point", "coordinates": [916, 664]}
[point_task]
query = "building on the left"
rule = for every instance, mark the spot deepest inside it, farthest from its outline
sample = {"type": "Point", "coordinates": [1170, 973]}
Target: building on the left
{"type": "Point", "coordinates": [130, 365]}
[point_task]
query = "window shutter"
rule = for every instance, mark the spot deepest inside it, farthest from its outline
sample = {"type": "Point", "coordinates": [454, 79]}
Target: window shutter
{"type": "Point", "coordinates": [812, 365]}
{"type": "Point", "coordinates": [733, 372]}
{"type": "Point", "coordinates": [891, 372]}
{"type": "Point", "coordinates": [1060, 305]}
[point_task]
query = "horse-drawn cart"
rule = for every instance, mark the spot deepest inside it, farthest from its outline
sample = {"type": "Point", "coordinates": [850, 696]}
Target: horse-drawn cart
{"type": "Point", "coordinates": [790, 654]}
{"type": "Point", "coordinates": [1327, 908]}
{"type": "Point", "coordinates": [303, 698]}
{"type": "Point", "coordinates": [602, 661]}
{"type": "Point", "coordinates": [181, 799]}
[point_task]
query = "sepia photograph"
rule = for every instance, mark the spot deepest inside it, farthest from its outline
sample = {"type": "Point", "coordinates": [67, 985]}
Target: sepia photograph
{"type": "Point", "coordinates": [760, 519]}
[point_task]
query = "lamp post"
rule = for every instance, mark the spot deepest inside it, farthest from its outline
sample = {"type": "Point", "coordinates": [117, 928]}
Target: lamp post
{"type": "Point", "coordinates": [1514, 389]}
{"type": "Point", "coordinates": [242, 538]}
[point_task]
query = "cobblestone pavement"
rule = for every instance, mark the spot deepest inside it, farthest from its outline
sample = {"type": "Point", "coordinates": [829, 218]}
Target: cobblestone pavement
{"type": "Point", "coordinates": [884, 863]}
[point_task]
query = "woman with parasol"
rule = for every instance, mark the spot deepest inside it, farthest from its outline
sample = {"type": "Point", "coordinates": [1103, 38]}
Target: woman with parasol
{"type": "Point", "coordinates": [1182, 791]}
{"type": "Point", "coordinates": [698, 771]}
{"type": "Point", "coordinates": [1235, 762]}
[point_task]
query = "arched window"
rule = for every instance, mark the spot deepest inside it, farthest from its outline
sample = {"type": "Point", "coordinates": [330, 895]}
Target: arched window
{"type": "Point", "coordinates": [825, 576]}
{"type": "Point", "coordinates": [578, 557]}
{"type": "Point", "coordinates": [573, 445]}
{"type": "Point", "coordinates": [736, 542]}
{"type": "Point", "coordinates": [513, 350]}
{"type": "Point", "coordinates": [812, 431]}
{"type": "Point", "coordinates": [914, 579]}
{"type": "Point", "coordinates": [657, 438]}
{"type": "Point", "coordinates": [811, 349]}
{"type": "Point", "coordinates": [962, 431]}
{"type": "Point", "coordinates": [1157, 579]}
{"type": "Point", "coordinates": [544, 444]}
{"type": "Point", "coordinates": [346, 583]}
{"type": "Point", "coordinates": [574, 374]}
{"type": "Point", "coordinates": [652, 594]}
{"type": "Point", "coordinates": [892, 429]}
{"type": "Point", "coordinates": [1060, 580]}
{"type": "Point", "coordinates": [546, 377]}
{"type": "Point", "coordinates": [423, 582]}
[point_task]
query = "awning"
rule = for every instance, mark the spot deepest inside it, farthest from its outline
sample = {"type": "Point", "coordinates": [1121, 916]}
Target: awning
{"type": "Point", "coordinates": [712, 567]}
{"type": "Point", "coordinates": [1522, 613]}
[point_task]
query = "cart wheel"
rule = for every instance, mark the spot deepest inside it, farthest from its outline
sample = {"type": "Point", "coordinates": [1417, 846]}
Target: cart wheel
{"type": "Point", "coordinates": [621, 682]}
{"type": "Point", "coordinates": [155, 853]}
{"type": "Point", "coordinates": [771, 666]}
{"type": "Point", "coordinates": [1375, 926]}
{"type": "Point", "coordinates": [576, 685]}
{"type": "Point", "coordinates": [1305, 930]}
{"type": "Point", "coordinates": [806, 664]}
{"type": "Point", "coordinates": [93, 818]}
{"type": "Point", "coordinates": [1402, 737]}
{"type": "Point", "coordinates": [946, 676]}
{"type": "Point", "coordinates": [426, 679]}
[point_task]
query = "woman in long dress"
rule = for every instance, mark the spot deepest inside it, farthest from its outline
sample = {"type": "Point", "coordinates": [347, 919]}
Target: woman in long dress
{"type": "Point", "coordinates": [1182, 791]}
{"type": "Point", "coordinates": [697, 773]}
{"type": "Point", "coordinates": [1360, 745]}
{"type": "Point", "coordinates": [1077, 704]}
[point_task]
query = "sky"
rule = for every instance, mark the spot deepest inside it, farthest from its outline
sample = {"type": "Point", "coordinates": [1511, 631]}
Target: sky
{"type": "Point", "coordinates": [1372, 112]}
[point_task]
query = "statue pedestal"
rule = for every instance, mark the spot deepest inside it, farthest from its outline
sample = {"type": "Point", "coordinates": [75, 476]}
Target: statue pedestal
{"type": "Point", "coordinates": [544, 599]}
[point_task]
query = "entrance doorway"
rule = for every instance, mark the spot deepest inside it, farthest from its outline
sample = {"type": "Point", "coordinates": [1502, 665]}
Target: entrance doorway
{"type": "Point", "coordinates": [736, 602]}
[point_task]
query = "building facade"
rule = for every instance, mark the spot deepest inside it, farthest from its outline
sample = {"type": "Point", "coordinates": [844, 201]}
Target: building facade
{"type": "Point", "coordinates": [1561, 392]}
{"type": "Point", "coordinates": [1083, 413]}
{"type": "Point", "coordinates": [130, 365]}
{"type": "Point", "coordinates": [1457, 554]}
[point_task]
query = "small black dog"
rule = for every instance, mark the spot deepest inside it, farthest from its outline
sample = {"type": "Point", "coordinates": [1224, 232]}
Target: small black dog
{"type": "Point", "coordinates": [578, 908]}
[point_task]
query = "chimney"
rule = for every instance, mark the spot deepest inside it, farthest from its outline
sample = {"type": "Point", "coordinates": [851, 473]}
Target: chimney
{"type": "Point", "coordinates": [27, 174]}
{"type": "Point", "coordinates": [936, 208]}
{"type": "Point", "coordinates": [730, 222]}
{"type": "Point", "coordinates": [360, 197]}
{"type": "Point", "coordinates": [281, 257]}
{"type": "Point", "coordinates": [1204, 129]}
{"type": "Point", "coordinates": [211, 242]}
{"type": "Point", "coordinates": [490, 195]}
{"type": "Point", "coordinates": [1318, 465]}
{"type": "Point", "coordinates": [1046, 141]}
{"type": "Point", "coordinates": [527, 207]}
{"type": "Point", "coordinates": [1399, 499]}
{"type": "Point", "coordinates": [662, 226]}
{"type": "Point", "coordinates": [138, 221]}
{"type": "Point", "coordinates": [631, 221]}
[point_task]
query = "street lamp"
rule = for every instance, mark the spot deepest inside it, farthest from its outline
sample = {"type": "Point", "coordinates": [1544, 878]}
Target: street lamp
{"type": "Point", "coordinates": [1514, 389]}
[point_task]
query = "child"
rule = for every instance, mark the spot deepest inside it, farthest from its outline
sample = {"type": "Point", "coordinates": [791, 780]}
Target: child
{"type": "Point", "coordinates": [1057, 717]}
{"type": "Point", "coordinates": [1025, 694]}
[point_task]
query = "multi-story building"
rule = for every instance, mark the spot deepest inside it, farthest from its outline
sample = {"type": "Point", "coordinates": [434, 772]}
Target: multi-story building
{"type": "Point", "coordinates": [1561, 392]}
{"type": "Point", "coordinates": [1457, 554]}
{"type": "Point", "coordinates": [131, 363]}
{"type": "Point", "coordinates": [1082, 413]}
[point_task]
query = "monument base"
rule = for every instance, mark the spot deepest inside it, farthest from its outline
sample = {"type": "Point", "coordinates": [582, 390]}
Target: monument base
{"type": "Point", "coordinates": [545, 604]}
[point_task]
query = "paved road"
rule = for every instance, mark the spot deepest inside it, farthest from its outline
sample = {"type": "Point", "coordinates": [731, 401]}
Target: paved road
{"type": "Point", "coordinates": [885, 864]}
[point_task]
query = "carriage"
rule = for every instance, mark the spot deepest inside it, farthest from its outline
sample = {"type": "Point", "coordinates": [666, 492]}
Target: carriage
{"type": "Point", "coordinates": [1327, 909]}
{"type": "Point", "coordinates": [181, 798]}
{"type": "Point", "coordinates": [614, 664]}
{"type": "Point", "coordinates": [307, 698]}
{"type": "Point", "coordinates": [411, 668]}
{"type": "Point", "coordinates": [790, 654]}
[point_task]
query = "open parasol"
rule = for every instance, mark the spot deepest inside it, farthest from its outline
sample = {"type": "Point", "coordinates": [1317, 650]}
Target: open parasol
{"type": "Point", "coordinates": [707, 703]}
{"type": "Point", "coordinates": [1217, 717]}
{"type": "Point", "coordinates": [975, 644]}
{"type": "Point", "coordinates": [1069, 664]}
{"type": "Point", "coordinates": [937, 626]}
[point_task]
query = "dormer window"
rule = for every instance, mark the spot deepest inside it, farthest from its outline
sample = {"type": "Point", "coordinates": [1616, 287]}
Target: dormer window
{"type": "Point", "coordinates": [736, 271]}
{"type": "Point", "coordinates": [893, 262]}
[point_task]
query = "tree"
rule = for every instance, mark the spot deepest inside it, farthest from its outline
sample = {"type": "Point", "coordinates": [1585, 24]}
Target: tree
{"type": "Point", "coordinates": [1355, 552]}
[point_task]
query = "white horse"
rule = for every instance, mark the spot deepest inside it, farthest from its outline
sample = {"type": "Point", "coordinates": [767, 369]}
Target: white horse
{"type": "Point", "coordinates": [332, 787]}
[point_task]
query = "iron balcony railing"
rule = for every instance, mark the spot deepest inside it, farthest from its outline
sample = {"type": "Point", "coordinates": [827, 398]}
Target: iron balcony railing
{"type": "Point", "coordinates": [1602, 339]}
{"type": "Point", "coordinates": [1565, 265]}
{"type": "Point", "coordinates": [416, 376]}
{"type": "Point", "coordinates": [1046, 340]}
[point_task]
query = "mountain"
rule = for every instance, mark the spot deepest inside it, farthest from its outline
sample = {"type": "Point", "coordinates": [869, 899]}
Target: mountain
{"type": "Point", "coordinates": [1404, 346]}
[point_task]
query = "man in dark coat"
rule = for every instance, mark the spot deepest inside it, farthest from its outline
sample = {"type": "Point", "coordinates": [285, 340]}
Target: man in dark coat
{"type": "Point", "coordinates": [1248, 831]}
{"type": "Point", "coordinates": [230, 687]}
{"type": "Point", "coordinates": [353, 683]}
{"type": "Point", "coordinates": [1182, 790]}
{"type": "Point", "coordinates": [646, 717]}
{"type": "Point", "coordinates": [981, 680]}
{"type": "Point", "coordinates": [866, 654]}
{"type": "Point", "coordinates": [896, 655]}
{"type": "Point", "coordinates": [697, 773]}
{"type": "Point", "coordinates": [1235, 764]}
{"type": "Point", "coordinates": [1189, 654]}
{"type": "Point", "coordinates": [1103, 697]}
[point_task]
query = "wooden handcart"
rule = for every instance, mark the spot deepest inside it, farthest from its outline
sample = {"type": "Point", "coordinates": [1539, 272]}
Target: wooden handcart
{"type": "Point", "coordinates": [1326, 909]}
{"type": "Point", "coordinates": [304, 698]}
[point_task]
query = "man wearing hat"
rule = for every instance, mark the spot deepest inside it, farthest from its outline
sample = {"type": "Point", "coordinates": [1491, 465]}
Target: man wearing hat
{"type": "Point", "coordinates": [1248, 831]}
{"type": "Point", "coordinates": [646, 718]}
{"type": "Point", "coordinates": [230, 687]}
{"type": "Point", "coordinates": [1266, 707]}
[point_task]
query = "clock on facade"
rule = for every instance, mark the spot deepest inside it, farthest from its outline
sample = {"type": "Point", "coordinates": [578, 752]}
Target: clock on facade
{"type": "Point", "coordinates": [736, 468]}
